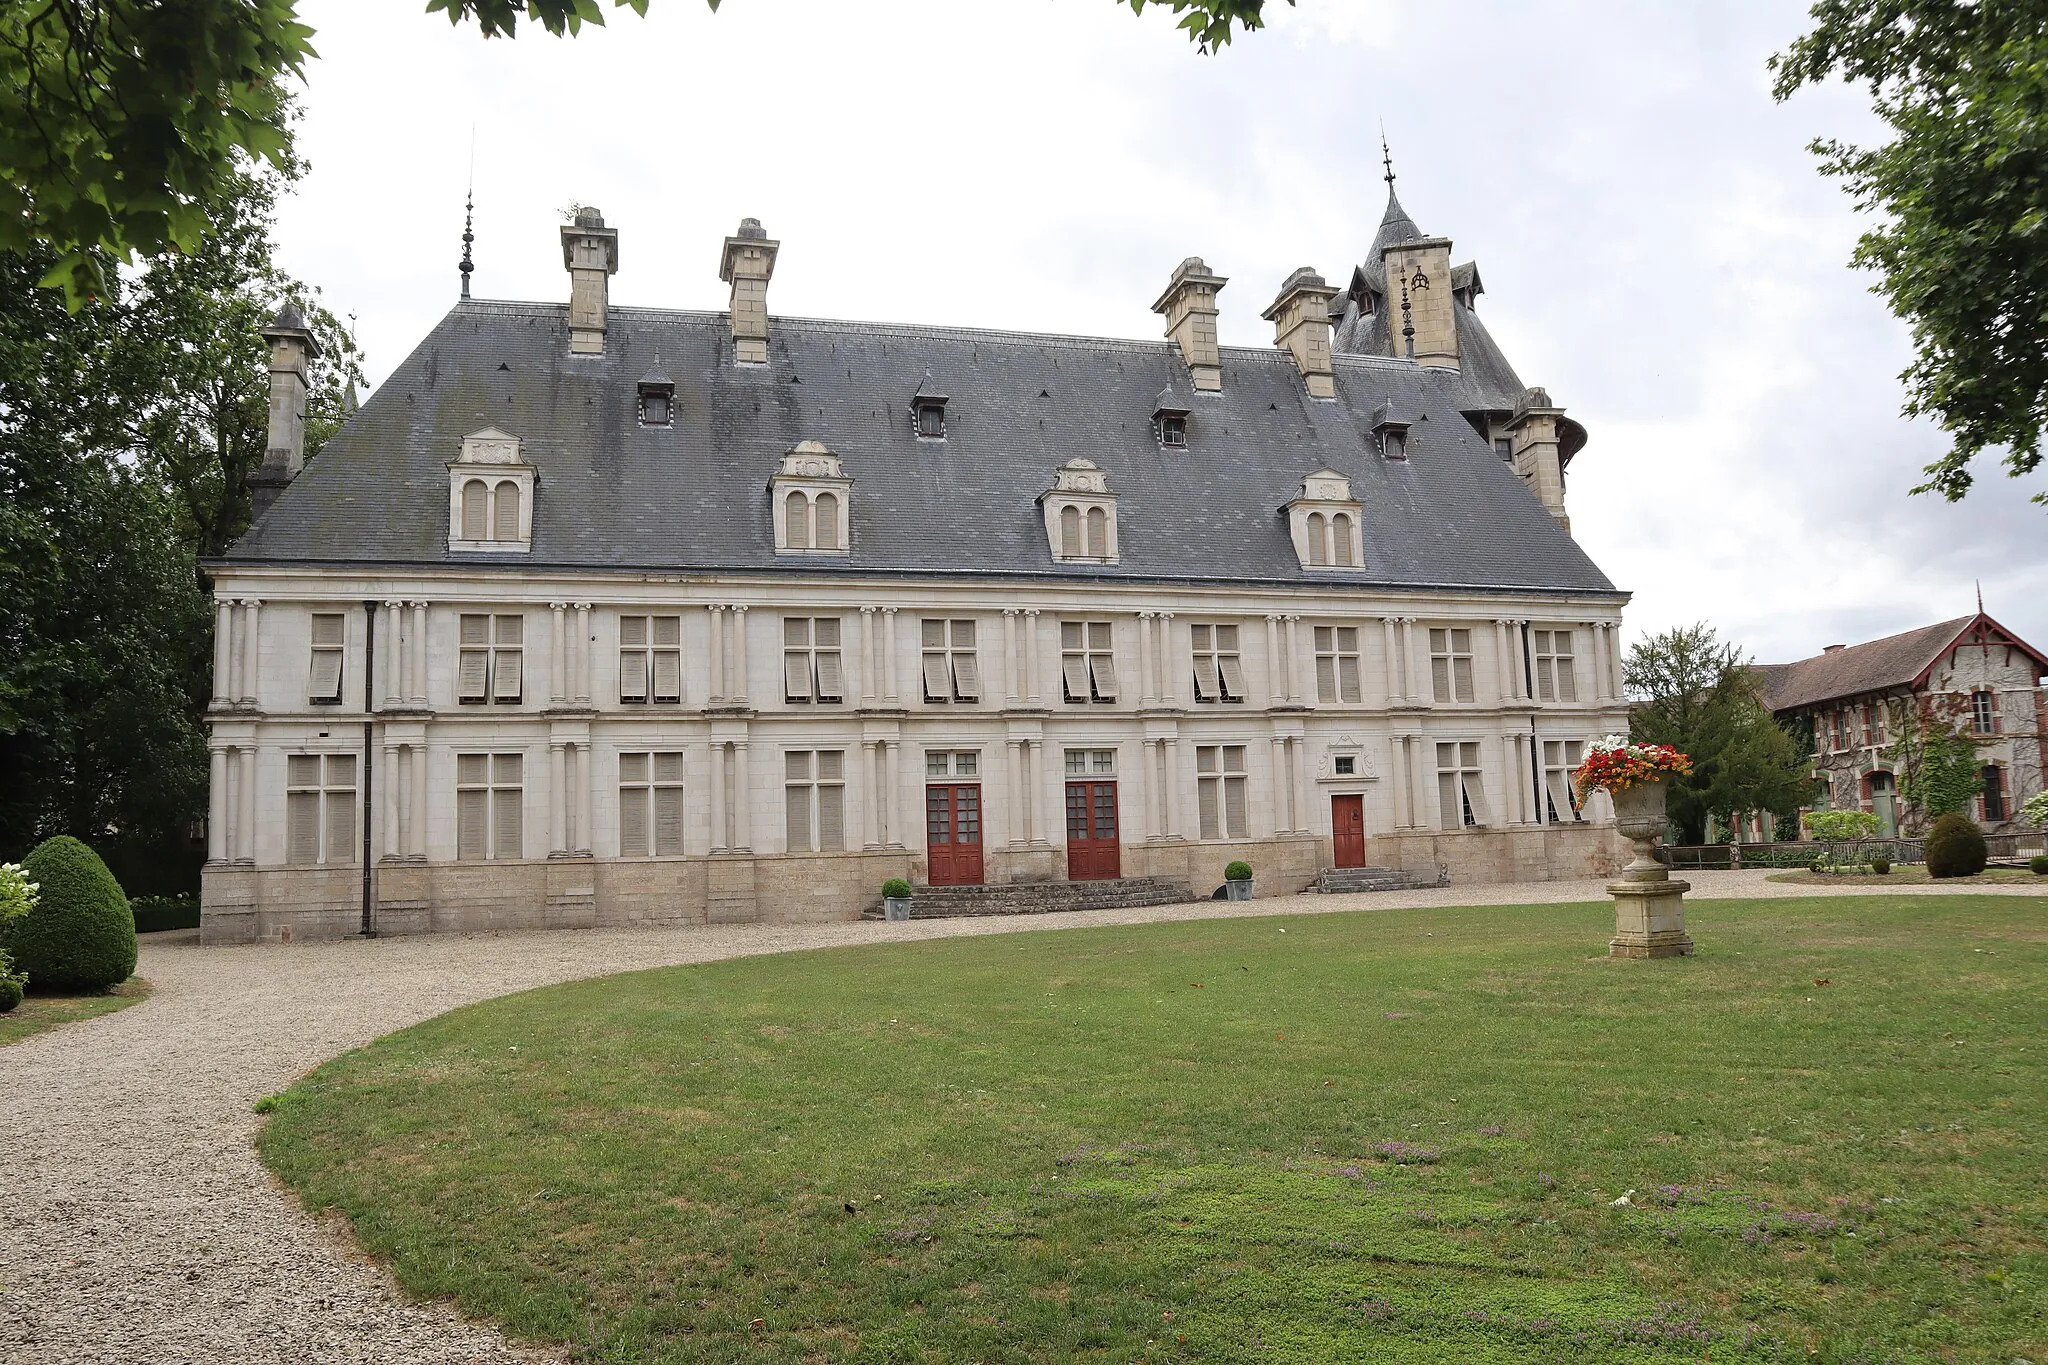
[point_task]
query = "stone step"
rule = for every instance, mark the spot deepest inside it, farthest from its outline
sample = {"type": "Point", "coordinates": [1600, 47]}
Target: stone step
{"type": "Point", "coordinates": [1040, 898]}
{"type": "Point", "coordinates": [1340, 881]}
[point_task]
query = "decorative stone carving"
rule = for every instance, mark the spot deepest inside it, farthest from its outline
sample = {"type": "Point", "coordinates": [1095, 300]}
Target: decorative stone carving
{"type": "Point", "coordinates": [490, 494]}
{"type": "Point", "coordinates": [1326, 523]}
{"type": "Point", "coordinates": [811, 502]}
{"type": "Point", "coordinates": [1080, 514]}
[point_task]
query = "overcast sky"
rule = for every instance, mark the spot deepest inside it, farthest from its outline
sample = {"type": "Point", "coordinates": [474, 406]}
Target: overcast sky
{"type": "Point", "coordinates": [1658, 248]}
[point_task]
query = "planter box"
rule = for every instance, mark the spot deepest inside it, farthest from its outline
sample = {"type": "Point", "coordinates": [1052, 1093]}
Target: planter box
{"type": "Point", "coordinates": [895, 908]}
{"type": "Point", "coordinates": [1237, 891]}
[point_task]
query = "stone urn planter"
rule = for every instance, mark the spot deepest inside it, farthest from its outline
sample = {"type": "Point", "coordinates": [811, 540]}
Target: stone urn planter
{"type": "Point", "coordinates": [1649, 905]}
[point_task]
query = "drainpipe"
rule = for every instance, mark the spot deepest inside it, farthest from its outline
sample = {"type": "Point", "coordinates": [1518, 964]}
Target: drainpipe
{"type": "Point", "coordinates": [369, 751]}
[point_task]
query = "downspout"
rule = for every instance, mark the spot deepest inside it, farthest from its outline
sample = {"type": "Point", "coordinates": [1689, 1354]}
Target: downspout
{"type": "Point", "coordinates": [369, 749]}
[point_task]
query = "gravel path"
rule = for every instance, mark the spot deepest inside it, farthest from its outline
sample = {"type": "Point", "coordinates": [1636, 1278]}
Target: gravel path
{"type": "Point", "coordinates": [137, 1225]}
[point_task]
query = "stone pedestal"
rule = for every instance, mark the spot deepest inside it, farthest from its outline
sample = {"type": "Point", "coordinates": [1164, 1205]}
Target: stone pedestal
{"type": "Point", "coordinates": [1649, 919]}
{"type": "Point", "coordinates": [1649, 907]}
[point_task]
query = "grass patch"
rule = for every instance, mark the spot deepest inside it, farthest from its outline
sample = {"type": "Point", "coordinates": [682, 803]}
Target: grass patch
{"type": "Point", "coordinates": [1391, 1136]}
{"type": "Point", "coordinates": [1912, 874]}
{"type": "Point", "coordinates": [39, 1012]}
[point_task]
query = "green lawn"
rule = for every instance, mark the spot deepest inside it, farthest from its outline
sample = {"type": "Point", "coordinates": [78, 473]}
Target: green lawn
{"type": "Point", "coordinates": [1388, 1136]}
{"type": "Point", "coordinates": [39, 1012]}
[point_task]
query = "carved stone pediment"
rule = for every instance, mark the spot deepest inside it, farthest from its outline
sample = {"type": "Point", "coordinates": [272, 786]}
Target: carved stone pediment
{"type": "Point", "coordinates": [490, 446]}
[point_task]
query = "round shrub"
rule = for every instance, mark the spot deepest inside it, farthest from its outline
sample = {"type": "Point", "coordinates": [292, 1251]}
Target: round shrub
{"type": "Point", "coordinates": [81, 935]}
{"type": "Point", "coordinates": [896, 889]}
{"type": "Point", "coordinates": [1955, 847]}
{"type": "Point", "coordinates": [1881, 864]}
{"type": "Point", "coordinates": [11, 983]}
{"type": "Point", "coordinates": [2039, 863]}
{"type": "Point", "coordinates": [1239, 871]}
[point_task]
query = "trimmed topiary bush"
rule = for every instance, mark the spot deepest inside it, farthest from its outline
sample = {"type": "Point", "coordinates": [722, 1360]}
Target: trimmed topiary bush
{"type": "Point", "coordinates": [1239, 871]}
{"type": "Point", "coordinates": [1955, 847]}
{"type": "Point", "coordinates": [81, 934]}
{"type": "Point", "coordinates": [896, 889]}
{"type": "Point", "coordinates": [1881, 864]}
{"type": "Point", "coordinates": [2039, 863]}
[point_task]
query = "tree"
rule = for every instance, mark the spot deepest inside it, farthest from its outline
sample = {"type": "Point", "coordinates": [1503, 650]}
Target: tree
{"type": "Point", "coordinates": [1700, 696]}
{"type": "Point", "coordinates": [125, 124]}
{"type": "Point", "coordinates": [1962, 194]}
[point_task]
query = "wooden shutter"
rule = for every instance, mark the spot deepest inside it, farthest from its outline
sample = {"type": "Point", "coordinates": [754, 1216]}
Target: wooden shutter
{"type": "Point", "coordinates": [325, 684]}
{"type": "Point", "coordinates": [1070, 531]}
{"type": "Point", "coordinates": [796, 522]}
{"type": "Point", "coordinates": [1205, 800]}
{"type": "Point", "coordinates": [1567, 674]}
{"type": "Point", "coordinates": [472, 770]}
{"type": "Point", "coordinates": [796, 674]}
{"type": "Point", "coordinates": [506, 523]}
{"type": "Point", "coordinates": [1461, 676]}
{"type": "Point", "coordinates": [797, 822]}
{"type": "Point", "coordinates": [1340, 535]}
{"type": "Point", "coordinates": [506, 670]}
{"type": "Point", "coordinates": [1206, 685]}
{"type": "Point", "coordinates": [1347, 670]}
{"type": "Point", "coordinates": [1234, 811]}
{"type": "Point", "coordinates": [1475, 797]}
{"type": "Point", "coordinates": [668, 675]}
{"type": "Point", "coordinates": [341, 827]}
{"type": "Point", "coordinates": [1448, 810]}
{"type": "Point", "coordinates": [831, 819]}
{"type": "Point", "coordinates": [668, 769]}
{"type": "Point", "coordinates": [633, 822]}
{"type": "Point", "coordinates": [1440, 678]}
{"type": "Point", "coordinates": [505, 814]}
{"type": "Point", "coordinates": [475, 510]}
{"type": "Point", "coordinates": [1560, 794]}
{"type": "Point", "coordinates": [302, 770]}
{"type": "Point", "coordinates": [934, 634]}
{"type": "Point", "coordinates": [470, 823]}
{"type": "Point", "coordinates": [831, 684]}
{"type": "Point", "coordinates": [1074, 670]}
{"type": "Point", "coordinates": [632, 769]}
{"type": "Point", "coordinates": [632, 675]}
{"type": "Point", "coordinates": [1098, 532]}
{"type": "Point", "coordinates": [668, 821]}
{"type": "Point", "coordinates": [937, 685]}
{"type": "Point", "coordinates": [1326, 677]}
{"type": "Point", "coordinates": [831, 764]}
{"type": "Point", "coordinates": [668, 631]}
{"type": "Point", "coordinates": [966, 676]}
{"type": "Point", "coordinates": [825, 510]}
{"type": "Point", "coordinates": [302, 827]}
{"type": "Point", "coordinates": [474, 663]}
{"type": "Point", "coordinates": [1103, 668]}
{"type": "Point", "coordinates": [1233, 677]}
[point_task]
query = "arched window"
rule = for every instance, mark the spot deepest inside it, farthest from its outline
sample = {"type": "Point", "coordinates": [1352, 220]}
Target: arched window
{"type": "Point", "coordinates": [1318, 538]}
{"type": "Point", "coordinates": [796, 516]}
{"type": "Point", "coordinates": [506, 526]}
{"type": "Point", "coordinates": [1340, 534]}
{"type": "Point", "coordinates": [826, 509]}
{"type": "Point", "coordinates": [476, 520]}
{"type": "Point", "coordinates": [1098, 533]}
{"type": "Point", "coordinates": [1070, 530]}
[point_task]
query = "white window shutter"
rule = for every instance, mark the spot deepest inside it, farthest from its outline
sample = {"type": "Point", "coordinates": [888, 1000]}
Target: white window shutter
{"type": "Point", "coordinates": [474, 670]}
{"type": "Point", "coordinates": [1475, 796]}
{"type": "Point", "coordinates": [506, 525]}
{"type": "Point", "coordinates": [831, 685]}
{"type": "Point", "coordinates": [475, 510]}
{"type": "Point", "coordinates": [1347, 667]}
{"type": "Point", "coordinates": [1440, 679]}
{"type": "Point", "coordinates": [937, 686]}
{"type": "Point", "coordinates": [470, 823]}
{"type": "Point", "coordinates": [1074, 669]}
{"type": "Point", "coordinates": [668, 630]}
{"type": "Point", "coordinates": [796, 675]}
{"type": "Point", "coordinates": [966, 677]}
{"type": "Point", "coordinates": [831, 819]}
{"type": "Point", "coordinates": [1206, 686]}
{"type": "Point", "coordinates": [303, 770]}
{"type": "Point", "coordinates": [632, 768]}
{"type": "Point", "coordinates": [632, 675]}
{"type": "Point", "coordinates": [668, 821]}
{"type": "Point", "coordinates": [476, 630]}
{"type": "Point", "coordinates": [1461, 672]}
{"type": "Point", "coordinates": [797, 830]}
{"type": "Point", "coordinates": [633, 822]}
{"type": "Point", "coordinates": [326, 680]}
{"type": "Point", "coordinates": [668, 768]}
{"type": "Point", "coordinates": [1326, 678]}
{"type": "Point", "coordinates": [1206, 800]}
{"type": "Point", "coordinates": [506, 684]}
{"type": "Point", "coordinates": [1567, 680]}
{"type": "Point", "coordinates": [505, 813]}
{"type": "Point", "coordinates": [1451, 813]}
{"type": "Point", "coordinates": [341, 827]}
{"type": "Point", "coordinates": [668, 675]}
{"type": "Point", "coordinates": [1233, 676]}
{"type": "Point", "coordinates": [1104, 668]}
{"type": "Point", "coordinates": [302, 834]}
{"type": "Point", "coordinates": [1234, 807]}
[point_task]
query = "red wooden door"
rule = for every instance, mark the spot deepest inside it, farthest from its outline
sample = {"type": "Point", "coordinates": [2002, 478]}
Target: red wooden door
{"type": "Point", "coordinates": [952, 828]}
{"type": "Point", "coordinates": [1347, 829]}
{"type": "Point", "coordinates": [1092, 850]}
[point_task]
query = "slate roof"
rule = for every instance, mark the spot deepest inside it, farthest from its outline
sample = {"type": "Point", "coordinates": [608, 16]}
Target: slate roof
{"type": "Point", "coordinates": [693, 496]}
{"type": "Point", "coordinates": [1895, 661]}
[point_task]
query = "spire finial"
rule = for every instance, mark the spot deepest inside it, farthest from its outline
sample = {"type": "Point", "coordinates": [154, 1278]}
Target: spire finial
{"type": "Point", "coordinates": [1980, 597]}
{"type": "Point", "coordinates": [1386, 158]}
{"type": "Point", "coordinates": [1407, 322]}
{"type": "Point", "coordinates": [469, 215]}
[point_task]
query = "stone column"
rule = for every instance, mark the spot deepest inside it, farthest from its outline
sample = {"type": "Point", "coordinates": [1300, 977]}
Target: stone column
{"type": "Point", "coordinates": [1423, 770]}
{"type": "Point", "coordinates": [1169, 790]}
{"type": "Point", "coordinates": [867, 656]}
{"type": "Point", "coordinates": [581, 843]}
{"type": "Point", "coordinates": [1276, 670]}
{"type": "Point", "coordinates": [392, 655]}
{"type": "Point", "coordinates": [889, 694]}
{"type": "Point", "coordinates": [251, 652]}
{"type": "Point", "coordinates": [717, 696]}
{"type": "Point", "coordinates": [719, 839]}
{"type": "Point", "coordinates": [1146, 696]}
{"type": "Point", "coordinates": [398, 791]}
{"type": "Point", "coordinates": [216, 804]}
{"type": "Point", "coordinates": [1011, 692]}
{"type": "Point", "coordinates": [1169, 666]}
{"type": "Point", "coordinates": [1278, 804]}
{"type": "Point", "coordinates": [558, 785]}
{"type": "Point", "coordinates": [742, 798]}
{"type": "Point", "coordinates": [245, 815]}
{"type": "Point", "coordinates": [419, 802]}
{"type": "Point", "coordinates": [1517, 672]}
{"type": "Point", "coordinates": [581, 653]}
{"type": "Point", "coordinates": [223, 650]}
{"type": "Point", "coordinates": [1304, 792]}
{"type": "Point", "coordinates": [1031, 682]}
{"type": "Point", "coordinates": [1042, 830]}
{"type": "Point", "coordinates": [893, 798]}
{"type": "Point", "coordinates": [419, 654]}
{"type": "Point", "coordinates": [558, 654]}
{"type": "Point", "coordinates": [861, 783]}
{"type": "Point", "coordinates": [1294, 689]}
{"type": "Point", "coordinates": [1396, 690]}
{"type": "Point", "coordinates": [741, 691]}
{"type": "Point", "coordinates": [392, 802]}
{"type": "Point", "coordinates": [1419, 686]}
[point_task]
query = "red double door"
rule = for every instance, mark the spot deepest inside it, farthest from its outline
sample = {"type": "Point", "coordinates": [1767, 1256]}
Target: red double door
{"type": "Point", "coordinates": [952, 833]}
{"type": "Point", "coordinates": [1092, 849]}
{"type": "Point", "coordinates": [1347, 830]}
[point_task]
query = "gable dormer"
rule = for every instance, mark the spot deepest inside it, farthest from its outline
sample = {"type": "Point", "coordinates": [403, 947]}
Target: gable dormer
{"type": "Point", "coordinates": [1326, 523]}
{"type": "Point", "coordinates": [811, 501]}
{"type": "Point", "coordinates": [1080, 514]}
{"type": "Point", "coordinates": [490, 495]}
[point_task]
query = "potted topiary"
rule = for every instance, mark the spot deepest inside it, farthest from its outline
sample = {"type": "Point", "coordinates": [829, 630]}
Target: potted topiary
{"type": "Point", "coordinates": [1237, 880]}
{"type": "Point", "coordinates": [896, 899]}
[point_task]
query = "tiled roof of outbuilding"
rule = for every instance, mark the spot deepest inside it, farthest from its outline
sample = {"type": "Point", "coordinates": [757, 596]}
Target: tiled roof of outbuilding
{"type": "Point", "coordinates": [1894, 661]}
{"type": "Point", "coordinates": [612, 494]}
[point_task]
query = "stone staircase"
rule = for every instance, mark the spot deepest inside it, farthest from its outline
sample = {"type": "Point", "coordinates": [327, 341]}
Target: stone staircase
{"type": "Point", "coordinates": [1338, 881]}
{"type": "Point", "coordinates": [1041, 898]}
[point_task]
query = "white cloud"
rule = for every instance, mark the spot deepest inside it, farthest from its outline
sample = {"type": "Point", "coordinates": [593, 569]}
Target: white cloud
{"type": "Point", "coordinates": [1660, 250]}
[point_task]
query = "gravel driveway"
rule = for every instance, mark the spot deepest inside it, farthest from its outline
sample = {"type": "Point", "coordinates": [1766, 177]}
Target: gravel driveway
{"type": "Point", "coordinates": [139, 1227]}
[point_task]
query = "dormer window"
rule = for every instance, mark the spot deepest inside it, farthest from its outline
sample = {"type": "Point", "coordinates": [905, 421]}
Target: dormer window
{"type": "Point", "coordinates": [1170, 420]}
{"type": "Point", "coordinates": [811, 499]}
{"type": "Point", "coordinates": [655, 406]}
{"type": "Point", "coordinates": [1390, 431]}
{"type": "Point", "coordinates": [490, 494]}
{"type": "Point", "coordinates": [1326, 523]}
{"type": "Point", "coordinates": [928, 411]}
{"type": "Point", "coordinates": [1080, 515]}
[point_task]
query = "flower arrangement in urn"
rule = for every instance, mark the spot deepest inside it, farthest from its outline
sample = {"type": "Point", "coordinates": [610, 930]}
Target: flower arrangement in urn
{"type": "Point", "coordinates": [1617, 765]}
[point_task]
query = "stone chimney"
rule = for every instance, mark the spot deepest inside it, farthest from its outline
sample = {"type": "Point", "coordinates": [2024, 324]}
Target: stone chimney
{"type": "Point", "coordinates": [747, 264]}
{"type": "Point", "coordinates": [1532, 436]}
{"type": "Point", "coordinates": [1189, 305]}
{"type": "Point", "coordinates": [590, 253]}
{"type": "Point", "coordinates": [1301, 323]}
{"type": "Point", "coordinates": [292, 347]}
{"type": "Point", "coordinates": [1421, 266]}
